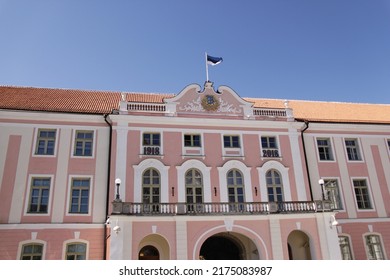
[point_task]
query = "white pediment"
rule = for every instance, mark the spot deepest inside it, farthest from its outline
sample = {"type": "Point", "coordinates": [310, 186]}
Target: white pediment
{"type": "Point", "coordinates": [224, 101]}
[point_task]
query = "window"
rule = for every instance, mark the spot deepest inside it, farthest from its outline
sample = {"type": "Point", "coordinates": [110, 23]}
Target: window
{"type": "Point", "coordinates": [80, 196]}
{"type": "Point", "coordinates": [324, 149]}
{"type": "Point", "coordinates": [235, 185]}
{"type": "Point", "coordinates": [192, 140]}
{"type": "Point", "coordinates": [231, 141]}
{"type": "Point", "coordinates": [269, 146]}
{"type": "Point", "coordinates": [274, 186]}
{"type": "Point", "coordinates": [151, 190]}
{"type": "Point", "coordinates": [353, 151]}
{"type": "Point", "coordinates": [39, 195]}
{"type": "Point", "coordinates": [151, 143]}
{"type": "Point", "coordinates": [345, 248]}
{"type": "Point", "coordinates": [374, 247]}
{"type": "Point", "coordinates": [332, 193]}
{"type": "Point", "coordinates": [194, 190]}
{"type": "Point", "coordinates": [151, 139]}
{"type": "Point", "coordinates": [76, 251]}
{"type": "Point", "coordinates": [362, 194]}
{"type": "Point", "coordinates": [83, 143]}
{"type": "Point", "coordinates": [32, 251]}
{"type": "Point", "coordinates": [45, 142]}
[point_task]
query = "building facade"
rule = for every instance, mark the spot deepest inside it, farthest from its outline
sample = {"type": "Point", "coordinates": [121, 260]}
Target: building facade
{"type": "Point", "coordinates": [203, 174]}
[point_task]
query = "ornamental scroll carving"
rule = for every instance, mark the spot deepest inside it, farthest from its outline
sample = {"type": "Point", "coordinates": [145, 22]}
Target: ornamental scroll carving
{"type": "Point", "coordinates": [198, 105]}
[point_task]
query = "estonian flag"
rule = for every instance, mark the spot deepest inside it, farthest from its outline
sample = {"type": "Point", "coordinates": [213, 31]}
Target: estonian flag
{"type": "Point", "coordinates": [214, 60]}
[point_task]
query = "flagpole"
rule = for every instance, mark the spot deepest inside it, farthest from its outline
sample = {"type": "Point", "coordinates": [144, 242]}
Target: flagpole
{"type": "Point", "coordinates": [207, 68]}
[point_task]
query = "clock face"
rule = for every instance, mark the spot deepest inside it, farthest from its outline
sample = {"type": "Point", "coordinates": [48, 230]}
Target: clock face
{"type": "Point", "coordinates": [210, 103]}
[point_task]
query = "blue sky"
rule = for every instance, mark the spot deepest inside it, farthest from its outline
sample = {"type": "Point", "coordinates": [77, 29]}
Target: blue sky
{"type": "Point", "coordinates": [332, 50]}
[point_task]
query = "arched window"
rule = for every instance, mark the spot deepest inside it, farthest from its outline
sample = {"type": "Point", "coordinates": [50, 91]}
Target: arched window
{"type": "Point", "coordinates": [194, 190]}
{"type": "Point", "coordinates": [235, 186]}
{"type": "Point", "coordinates": [374, 247]}
{"type": "Point", "coordinates": [32, 251]}
{"type": "Point", "coordinates": [274, 186]}
{"type": "Point", "coordinates": [76, 251]}
{"type": "Point", "coordinates": [151, 190]}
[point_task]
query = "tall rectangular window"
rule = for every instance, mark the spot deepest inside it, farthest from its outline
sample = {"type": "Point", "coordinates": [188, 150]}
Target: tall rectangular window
{"type": "Point", "coordinates": [324, 149]}
{"type": "Point", "coordinates": [353, 151]}
{"type": "Point", "coordinates": [231, 141]}
{"type": "Point", "coordinates": [192, 140]}
{"type": "Point", "coordinates": [45, 142]}
{"type": "Point", "coordinates": [374, 247]}
{"type": "Point", "coordinates": [332, 192]}
{"type": "Point", "coordinates": [79, 200]}
{"type": "Point", "coordinates": [39, 195]}
{"type": "Point", "coordinates": [83, 143]}
{"type": "Point", "coordinates": [362, 194]}
{"type": "Point", "coordinates": [345, 248]}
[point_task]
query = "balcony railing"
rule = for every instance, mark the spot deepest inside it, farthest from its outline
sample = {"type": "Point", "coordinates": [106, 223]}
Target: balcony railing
{"type": "Point", "coordinates": [242, 208]}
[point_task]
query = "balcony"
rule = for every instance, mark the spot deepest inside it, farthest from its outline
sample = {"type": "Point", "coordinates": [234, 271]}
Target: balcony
{"type": "Point", "coordinates": [208, 209]}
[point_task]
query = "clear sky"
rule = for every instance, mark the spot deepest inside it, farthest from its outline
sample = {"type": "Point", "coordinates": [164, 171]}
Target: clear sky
{"type": "Point", "coordinates": [331, 50]}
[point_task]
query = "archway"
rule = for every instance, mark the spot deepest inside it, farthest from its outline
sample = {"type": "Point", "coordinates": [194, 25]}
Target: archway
{"type": "Point", "coordinates": [228, 246]}
{"type": "Point", "coordinates": [153, 247]}
{"type": "Point", "coordinates": [298, 244]}
{"type": "Point", "coordinates": [148, 253]}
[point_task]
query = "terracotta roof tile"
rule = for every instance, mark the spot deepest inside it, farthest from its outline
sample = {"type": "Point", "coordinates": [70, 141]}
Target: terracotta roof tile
{"type": "Point", "coordinates": [58, 100]}
{"type": "Point", "coordinates": [102, 102]}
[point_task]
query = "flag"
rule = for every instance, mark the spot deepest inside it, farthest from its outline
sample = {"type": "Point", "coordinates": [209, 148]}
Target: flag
{"type": "Point", "coordinates": [214, 60]}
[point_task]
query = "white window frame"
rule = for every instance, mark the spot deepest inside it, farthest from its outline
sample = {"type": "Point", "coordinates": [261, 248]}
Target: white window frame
{"type": "Point", "coordinates": [36, 134]}
{"type": "Point", "coordinates": [142, 146]}
{"type": "Point", "coordinates": [70, 241]}
{"type": "Point", "coordinates": [30, 241]}
{"type": "Point", "coordinates": [74, 134]}
{"type": "Point", "coordinates": [359, 149]}
{"type": "Point", "coordinates": [232, 152]}
{"type": "Point", "coordinates": [369, 193]}
{"type": "Point", "coordinates": [380, 240]}
{"type": "Point", "coordinates": [330, 142]}
{"type": "Point", "coordinates": [262, 149]}
{"type": "Point", "coordinates": [69, 195]}
{"type": "Point", "coordinates": [350, 245]}
{"type": "Point", "coordinates": [28, 194]}
{"type": "Point", "coordinates": [192, 150]}
{"type": "Point", "coordinates": [340, 190]}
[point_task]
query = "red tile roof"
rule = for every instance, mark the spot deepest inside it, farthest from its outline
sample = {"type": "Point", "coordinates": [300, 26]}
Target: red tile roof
{"type": "Point", "coordinates": [103, 102]}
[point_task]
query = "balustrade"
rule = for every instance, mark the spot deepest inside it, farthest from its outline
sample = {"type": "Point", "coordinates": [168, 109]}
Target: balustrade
{"type": "Point", "coordinates": [241, 208]}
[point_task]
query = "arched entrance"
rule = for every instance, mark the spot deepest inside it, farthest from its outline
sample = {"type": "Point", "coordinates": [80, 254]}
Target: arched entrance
{"type": "Point", "coordinates": [298, 244]}
{"type": "Point", "coordinates": [148, 253]}
{"type": "Point", "coordinates": [153, 247]}
{"type": "Point", "coordinates": [228, 246]}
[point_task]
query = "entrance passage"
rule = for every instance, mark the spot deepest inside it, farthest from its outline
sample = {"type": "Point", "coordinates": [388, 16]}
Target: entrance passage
{"type": "Point", "coordinates": [220, 248]}
{"type": "Point", "coordinates": [149, 253]}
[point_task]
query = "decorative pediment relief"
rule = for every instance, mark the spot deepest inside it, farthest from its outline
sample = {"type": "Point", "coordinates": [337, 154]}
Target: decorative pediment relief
{"type": "Point", "coordinates": [224, 101]}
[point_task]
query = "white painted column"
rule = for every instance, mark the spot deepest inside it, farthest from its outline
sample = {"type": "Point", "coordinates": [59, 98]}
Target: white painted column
{"type": "Point", "coordinates": [329, 241]}
{"type": "Point", "coordinates": [181, 240]}
{"type": "Point", "coordinates": [297, 162]}
{"type": "Point", "coordinates": [276, 239]}
{"type": "Point", "coordinates": [121, 153]}
{"type": "Point", "coordinates": [60, 186]}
